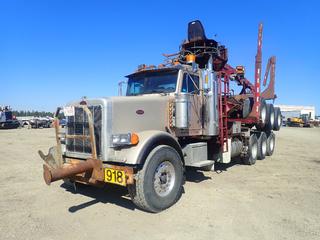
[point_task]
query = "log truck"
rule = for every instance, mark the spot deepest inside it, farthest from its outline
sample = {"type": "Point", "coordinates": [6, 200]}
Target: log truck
{"type": "Point", "coordinates": [182, 113]}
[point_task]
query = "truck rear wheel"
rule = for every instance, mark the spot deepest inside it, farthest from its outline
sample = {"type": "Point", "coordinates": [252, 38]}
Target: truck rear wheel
{"type": "Point", "coordinates": [263, 115]}
{"type": "Point", "coordinates": [247, 107]}
{"type": "Point", "coordinates": [277, 119]}
{"type": "Point", "coordinates": [268, 124]}
{"type": "Point", "coordinates": [271, 119]}
{"type": "Point", "coordinates": [159, 183]}
{"type": "Point", "coordinates": [252, 153]}
{"type": "Point", "coordinates": [262, 146]}
{"type": "Point", "coordinates": [271, 143]}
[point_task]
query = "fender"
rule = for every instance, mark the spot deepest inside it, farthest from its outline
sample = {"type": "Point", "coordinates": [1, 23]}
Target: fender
{"type": "Point", "coordinates": [161, 138]}
{"type": "Point", "coordinates": [148, 140]}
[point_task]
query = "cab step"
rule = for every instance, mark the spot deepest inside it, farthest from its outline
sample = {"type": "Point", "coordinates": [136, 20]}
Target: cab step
{"type": "Point", "coordinates": [203, 163]}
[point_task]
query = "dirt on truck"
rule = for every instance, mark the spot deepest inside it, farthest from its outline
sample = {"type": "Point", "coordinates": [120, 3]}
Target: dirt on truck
{"type": "Point", "coordinates": [181, 113]}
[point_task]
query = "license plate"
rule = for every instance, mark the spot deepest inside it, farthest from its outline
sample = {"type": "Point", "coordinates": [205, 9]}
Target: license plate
{"type": "Point", "coordinates": [115, 176]}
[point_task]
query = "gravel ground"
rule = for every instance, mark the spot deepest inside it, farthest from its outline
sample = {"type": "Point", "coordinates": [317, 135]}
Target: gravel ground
{"type": "Point", "coordinates": [277, 198]}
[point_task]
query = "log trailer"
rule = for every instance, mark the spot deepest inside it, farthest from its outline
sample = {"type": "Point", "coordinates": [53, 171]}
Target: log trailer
{"type": "Point", "coordinates": [181, 113]}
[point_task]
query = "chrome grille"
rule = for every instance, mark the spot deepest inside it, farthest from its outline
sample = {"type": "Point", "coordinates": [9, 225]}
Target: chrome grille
{"type": "Point", "coordinates": [78, 125]}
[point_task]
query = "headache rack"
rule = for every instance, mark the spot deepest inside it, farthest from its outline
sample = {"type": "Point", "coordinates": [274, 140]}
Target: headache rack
{"type": "Point", "coordinates": [80, 136]}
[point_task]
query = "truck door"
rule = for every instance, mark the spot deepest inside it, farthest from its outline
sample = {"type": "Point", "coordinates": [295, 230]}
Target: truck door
{"type": "Point", "coordinates": [191, 85]}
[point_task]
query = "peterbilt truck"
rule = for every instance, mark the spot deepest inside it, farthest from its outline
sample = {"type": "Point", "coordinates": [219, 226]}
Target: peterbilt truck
{"type": "Point", "coordinates": [182, 113]}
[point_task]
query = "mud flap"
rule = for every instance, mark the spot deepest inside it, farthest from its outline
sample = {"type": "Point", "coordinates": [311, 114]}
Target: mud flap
{"type": "Point", "coordinates": [226, 156]}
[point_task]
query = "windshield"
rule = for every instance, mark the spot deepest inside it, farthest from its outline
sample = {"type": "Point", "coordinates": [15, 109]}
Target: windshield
{"type": "Point", "coordinates": [152, 82]}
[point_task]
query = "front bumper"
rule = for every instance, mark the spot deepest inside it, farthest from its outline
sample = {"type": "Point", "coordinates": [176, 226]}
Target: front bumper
{"type": "Point", "coordinates": [90, 171]}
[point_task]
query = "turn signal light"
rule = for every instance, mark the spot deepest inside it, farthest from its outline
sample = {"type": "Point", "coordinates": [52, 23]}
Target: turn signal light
{"type": "Point", "coordinates": [134, 139]}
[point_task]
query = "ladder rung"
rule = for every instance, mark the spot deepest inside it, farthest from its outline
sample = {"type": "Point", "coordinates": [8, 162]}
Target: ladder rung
{"type": "Point", "coordinates": [78, 136]}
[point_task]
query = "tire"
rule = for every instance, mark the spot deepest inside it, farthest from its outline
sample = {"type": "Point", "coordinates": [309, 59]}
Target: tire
{"type": "Point", "coordinates": [153, 193]}
{"type": "Point", "coordinates": [263, 116]}
{"type": "Point", "coordinates": [270, 122]}
{"type": "Point", "coordinates": [277, 118]}
{"type": "Point", "coordinates": [271, 143]}
{"type": "Point", "coordinates": [247, 107]}
{"type": "Point", "coordinates": [262, 146]}
{"type": "Point", "coordinates": [252, 153]}
{"type": "Point", "coordinates": [270, 119]}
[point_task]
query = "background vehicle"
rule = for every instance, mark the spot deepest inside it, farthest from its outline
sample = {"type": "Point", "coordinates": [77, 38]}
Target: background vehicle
{"type": "Point", "coordinates": [307, 121]}
{"type": "Point", "coordinates": [303, 121]}
{"type": "Point", "coordinates": [41, 122]}
{"type": "Point", "coordinates": [295, 122]}
{"type": "Point", "coordinates": [7, 119]}
{"type": "Point", "coordinates": [181, 113]}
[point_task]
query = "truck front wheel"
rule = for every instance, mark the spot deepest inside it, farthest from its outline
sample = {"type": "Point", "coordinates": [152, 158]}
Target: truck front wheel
{"type": "Point", "coordinates": [159, 183]}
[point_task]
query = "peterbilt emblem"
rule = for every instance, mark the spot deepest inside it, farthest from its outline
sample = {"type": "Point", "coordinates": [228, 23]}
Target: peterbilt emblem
{"type": "Point", "coordinates": [139, 112]}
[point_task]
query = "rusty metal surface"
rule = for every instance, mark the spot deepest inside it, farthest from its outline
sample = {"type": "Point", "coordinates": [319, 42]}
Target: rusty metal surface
{"type": "Point", "coordinates": [78, 136]}
{"type": "Point", "coordinates": [91, 132]}
{"type": "Point", "coordinates": [59, 157]}
{"type": "Point", "coordinates": [255, 113]}
{"type": "Point", "coordinates": [53, 174]}
{"type": "Point", "coordinates": [90, 171]}
{"type": "Point", "coordinates": [55, 169]}
{"type": "Point", "coordinates": [51, 158]}
{"type": "Point", "coordinates": [268, 93]}
{"type": "Point", "coordinates": [57, 132]}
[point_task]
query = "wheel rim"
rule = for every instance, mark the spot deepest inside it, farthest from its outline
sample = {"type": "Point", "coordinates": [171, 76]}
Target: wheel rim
{"type": "Point", "coordinates": [254, 151]}
{"type": "Point", "coordinates": [263, 115]}
{"type": "Point", "coordinates": [164, 178]}
{"type": "Point", "coordinates": [272, 119]}
{"type": "Point", "coordinates": [279, 120]}
{"type": "Point", "coordinates": [264, 148]}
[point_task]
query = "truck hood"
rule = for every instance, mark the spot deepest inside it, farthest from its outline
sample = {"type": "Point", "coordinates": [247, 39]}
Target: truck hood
{"type": "Point", "coordinates": [138, 113]}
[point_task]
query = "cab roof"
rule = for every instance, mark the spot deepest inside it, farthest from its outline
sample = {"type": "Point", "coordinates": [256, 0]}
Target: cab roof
{"type": "Point", "coordinates": [155, 70]}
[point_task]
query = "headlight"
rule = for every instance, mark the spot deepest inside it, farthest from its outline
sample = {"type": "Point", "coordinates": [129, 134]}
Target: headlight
{"type": "Point", "coordinates": [124, 139]}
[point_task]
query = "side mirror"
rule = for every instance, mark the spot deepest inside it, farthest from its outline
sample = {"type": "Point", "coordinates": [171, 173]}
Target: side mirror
{"type": "Point", "coordinates": [120, 87]}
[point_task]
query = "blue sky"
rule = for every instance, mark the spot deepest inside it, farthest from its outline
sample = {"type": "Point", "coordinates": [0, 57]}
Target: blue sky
{"type": "Point", "coordinates": [52, 52]}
